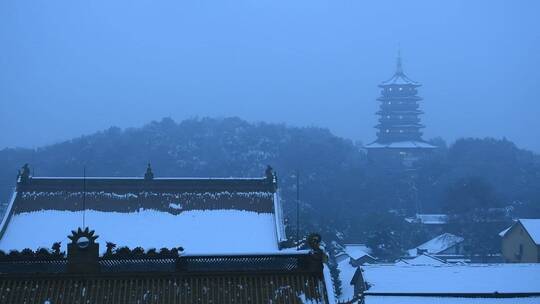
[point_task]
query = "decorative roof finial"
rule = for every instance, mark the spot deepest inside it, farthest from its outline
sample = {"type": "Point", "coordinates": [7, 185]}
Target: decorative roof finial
{"type": "Point", "coordinates": [24, 174]}
{"type": "Point", "coordinates": [83, 251]}
{"type": "Point", "coordinates": [314, 241]}
{"type": "Point", "coordinates": [269, 172]}
{"type": "Point", "coordinates": [149, 175]}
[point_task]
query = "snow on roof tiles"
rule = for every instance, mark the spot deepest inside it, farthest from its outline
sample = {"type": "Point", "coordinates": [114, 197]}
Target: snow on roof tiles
{"type": "Point", "coordinates": [372, 299]}
{"type": "Point", "coordinates": [202, 215]}
{"type": "Point", "coordinates": [430, 219]}
{"type": "Point", "coordinates": [346, 273]}
{"type": "Point", "coordinates": [437, 244]}
{"type": "Point", "coordinates": [197, 231]}
{"type": "Point", "coordinates": [503, 233]}
{"type": "Point", "coordinates": [452, 279]}
{"type": "Point", "coordinates": [357, 251]}
{"type": "Point", "coordinates": [533, 228]}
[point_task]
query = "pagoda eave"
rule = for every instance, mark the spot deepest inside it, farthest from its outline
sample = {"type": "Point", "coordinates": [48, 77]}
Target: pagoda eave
{"type": "Point", "coordinates": [405, 126]}
{"type": "Point", "coordinates": [399, 98]}
{"type": "Point", "coordinates": [400, 112]}
{"type": "Point", "coordinates": [396, 85]}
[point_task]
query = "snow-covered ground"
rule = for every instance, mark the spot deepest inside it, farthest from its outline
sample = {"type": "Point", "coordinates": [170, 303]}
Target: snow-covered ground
{"type": "Point", "coordinates": [198, 231]}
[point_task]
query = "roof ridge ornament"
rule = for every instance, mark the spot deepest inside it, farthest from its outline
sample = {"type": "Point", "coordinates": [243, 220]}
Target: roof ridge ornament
{"type": "Point", "coordinates": [77, 235]}
{"type": "Point", "coordinates": [271, 175]}
{"type": "Point", "coordinates": [83, 251]}
{"type": "Point", "coordinates": [24, 174]}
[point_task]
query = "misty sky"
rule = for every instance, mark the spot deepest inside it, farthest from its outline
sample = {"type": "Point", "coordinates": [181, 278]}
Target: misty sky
{"type": "Point", "coordinates": [69, 68]}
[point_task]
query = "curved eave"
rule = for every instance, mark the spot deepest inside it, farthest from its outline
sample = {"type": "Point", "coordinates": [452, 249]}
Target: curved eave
{"type": "Point", "coordinates": [404, 126]}
{"type": "Point", "coordinates": [399, 98]}
{"type": "Point", "coordinates": [388, 85]}
{"type": "Point", "coordinates": [7, 214]}
{"type": "Point", "coordinates": [399, 79]}
{"type": "Point", "coordinates": [400, 112]}
{"type": "Point", "coordinates": [407, 144]}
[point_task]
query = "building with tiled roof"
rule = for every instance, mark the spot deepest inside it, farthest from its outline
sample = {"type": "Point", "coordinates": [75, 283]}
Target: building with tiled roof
{"type": "Point", "coordinates": [163, 240]}
{"type": "Point", "coordinates": [447, 283]}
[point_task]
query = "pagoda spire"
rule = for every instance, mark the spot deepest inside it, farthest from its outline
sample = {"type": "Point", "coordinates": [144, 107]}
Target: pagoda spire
{"type": "Point", "coordinates": [399, 66]}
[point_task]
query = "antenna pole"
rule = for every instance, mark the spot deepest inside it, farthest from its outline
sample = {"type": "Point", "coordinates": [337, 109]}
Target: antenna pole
{"type": "Point", "coordinates": [33, 164]}
{"type": "Point", "coordinates": [297, 209]}
{"type": "Point", "coordinates": [84, 198]}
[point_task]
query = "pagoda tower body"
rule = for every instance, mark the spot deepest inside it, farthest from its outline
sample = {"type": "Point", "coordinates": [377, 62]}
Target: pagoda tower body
{"type": "Point", "coordinates": [399, 135]}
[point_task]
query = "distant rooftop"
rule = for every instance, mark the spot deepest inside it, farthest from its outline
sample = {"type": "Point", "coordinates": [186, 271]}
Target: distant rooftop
{"type": "Point", "coordinates": [453, 279]}
{"type": "Point", "coordinates": [423, 259]}
{"type": "Point", "coordinates": [428, 219]}
{"type": "Point", "coordinates": [437, 244]}
{"type": "Point", "coordinates": [357, 251]}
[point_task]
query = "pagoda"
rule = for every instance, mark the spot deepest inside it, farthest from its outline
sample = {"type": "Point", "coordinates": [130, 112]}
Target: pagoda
{"type": "Point", "coordinates": [399, 135]}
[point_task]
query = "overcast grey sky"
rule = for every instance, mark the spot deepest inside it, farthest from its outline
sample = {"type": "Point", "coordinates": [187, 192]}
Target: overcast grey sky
{"type": "Point", "coordinates": [74, 67]}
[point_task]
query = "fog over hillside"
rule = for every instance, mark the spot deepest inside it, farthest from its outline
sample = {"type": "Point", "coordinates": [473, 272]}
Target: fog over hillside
{"type": "Point", "coordinates": [340, 190]}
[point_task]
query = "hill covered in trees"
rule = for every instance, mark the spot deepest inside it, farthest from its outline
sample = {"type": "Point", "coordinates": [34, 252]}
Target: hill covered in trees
{"type": "Point", "coordinates": [342, 194]}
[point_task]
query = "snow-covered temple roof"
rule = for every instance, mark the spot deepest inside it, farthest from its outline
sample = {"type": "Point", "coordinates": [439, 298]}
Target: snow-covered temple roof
{"type": "Point", "coordinates": [203, 215]}
{"type": "Point", "coordinates": [437, 244]}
